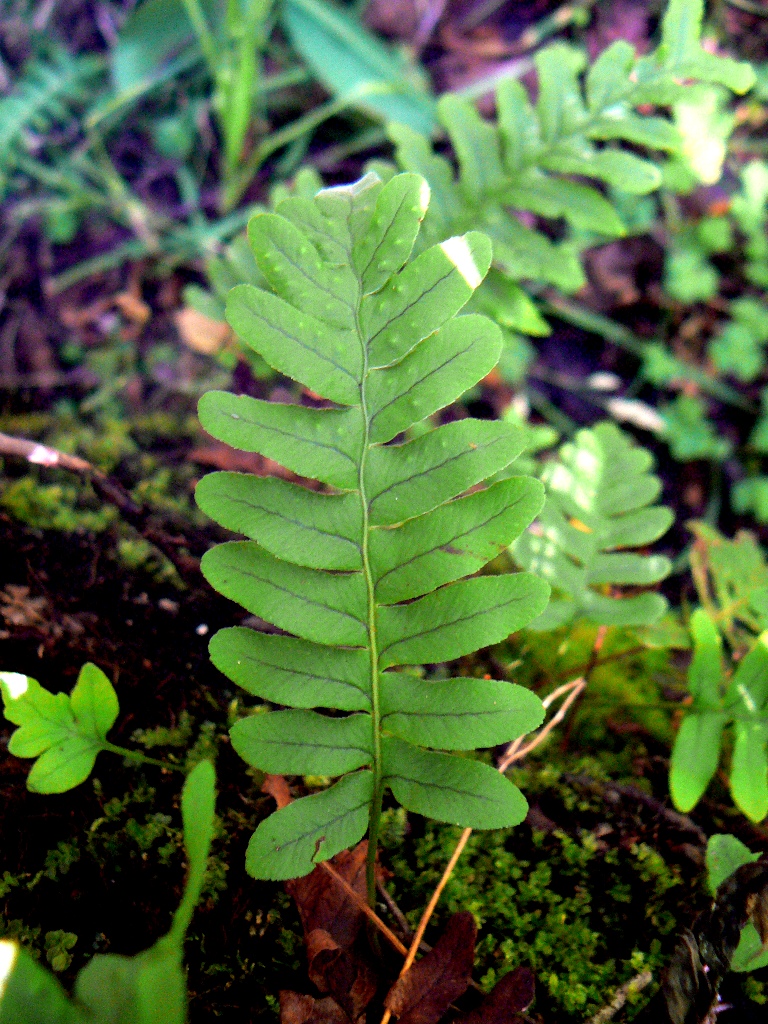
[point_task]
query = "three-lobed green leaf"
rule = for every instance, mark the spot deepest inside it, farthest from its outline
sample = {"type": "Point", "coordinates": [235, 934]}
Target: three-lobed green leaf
{"type": "Point", "coordinates": [64, 732]}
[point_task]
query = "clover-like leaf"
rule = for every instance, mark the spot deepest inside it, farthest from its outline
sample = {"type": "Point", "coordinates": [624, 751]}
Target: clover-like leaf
{"type": "Point", "coordinates": [64, 732]}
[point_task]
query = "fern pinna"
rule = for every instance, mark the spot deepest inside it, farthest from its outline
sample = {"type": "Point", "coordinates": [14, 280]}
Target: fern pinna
{"type": "Point", "coordinates": [366, 575]}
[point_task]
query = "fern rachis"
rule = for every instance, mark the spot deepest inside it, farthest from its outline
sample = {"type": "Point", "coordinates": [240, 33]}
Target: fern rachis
{"type": "Point", "coordinates": [368, 576]}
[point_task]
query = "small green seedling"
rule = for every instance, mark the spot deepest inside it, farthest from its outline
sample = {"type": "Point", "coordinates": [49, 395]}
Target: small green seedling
{"type": "Point", "coordinates": [725, 854]}
{"type": "Point", "coordinates": [112, 989]}
{"type": "Point", "coordinates": [64, 732]}
{"type": "Point", "coordinates": [717, 701]}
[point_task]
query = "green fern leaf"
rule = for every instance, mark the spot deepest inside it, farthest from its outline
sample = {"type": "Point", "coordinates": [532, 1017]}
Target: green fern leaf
{"type": "Point", "coordinates": [599, 504]}
{"type": "Point", "coordinates": [368, 575]}
{"type": "Point", "coordinates": [49, 90]}
{"type": "Point", "coordinates": [580, 125]}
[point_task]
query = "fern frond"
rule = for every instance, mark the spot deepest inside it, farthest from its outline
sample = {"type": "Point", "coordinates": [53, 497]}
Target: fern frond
{"type": "Point", "coordinates": [52, 86]}
{"type": "Point", "coordinates": [599, 506]}
{"type": "Point", "coordinates": [518, 162]}
{"type": "Point", "coordinates": [368, 576]}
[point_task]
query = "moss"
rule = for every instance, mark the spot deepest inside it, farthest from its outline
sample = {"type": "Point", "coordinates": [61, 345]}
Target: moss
{"type": "Point", "coordinates": [584, 918]}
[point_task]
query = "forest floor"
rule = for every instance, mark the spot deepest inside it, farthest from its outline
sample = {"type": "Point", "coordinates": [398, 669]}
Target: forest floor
{"type": "Point", "coordinates": [592, 888]}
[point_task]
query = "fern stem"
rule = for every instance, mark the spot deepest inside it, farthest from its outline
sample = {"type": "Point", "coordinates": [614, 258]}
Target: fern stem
{"type": "Point", "coordinates": [374, 820]}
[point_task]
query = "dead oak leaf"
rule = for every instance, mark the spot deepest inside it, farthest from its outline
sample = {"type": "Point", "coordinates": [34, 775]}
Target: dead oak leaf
{"type": "Point", "coordinates": [340, 972]}
{"type": "Point", "coordinates": [323, 904]}
{"type": "Point", "coordinates": [424, 993]}
{"type": "Point", "coordinates": [509, 998]}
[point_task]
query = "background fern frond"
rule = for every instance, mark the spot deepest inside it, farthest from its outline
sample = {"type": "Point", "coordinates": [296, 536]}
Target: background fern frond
{"type": "Point", "coordinates": [53, 85]}
{"type": "Point", "coordinates": [583, 123]}
{"type": "Point", "coordinates": [599, 506]}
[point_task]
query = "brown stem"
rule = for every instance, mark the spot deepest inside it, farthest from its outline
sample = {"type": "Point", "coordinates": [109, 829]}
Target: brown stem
{"type": "Point", "coordinates": [110, 490]}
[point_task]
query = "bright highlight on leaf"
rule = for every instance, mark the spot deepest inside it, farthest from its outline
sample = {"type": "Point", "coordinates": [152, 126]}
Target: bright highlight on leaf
{"type": "Point", "coordinates": [368, 574]}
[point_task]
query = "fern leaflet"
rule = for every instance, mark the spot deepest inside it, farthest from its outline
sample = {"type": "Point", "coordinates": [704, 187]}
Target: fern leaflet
{"type": "Point", "coordinates": [599, 504]}
{"type": "Point", "coordinates": [368, 575]}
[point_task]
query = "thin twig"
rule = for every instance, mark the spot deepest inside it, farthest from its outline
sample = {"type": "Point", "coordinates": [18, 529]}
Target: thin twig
{"type": "Point", "coordinates": [394, 910]}
{"type": "Point", "coordinates": [516, 752]}
{"type": "Point", "coordinates": [636, 984]}
{"type": "Point", "coordinates": [361, 904]}
{"type": "Point", "coordinates": [110, 490]}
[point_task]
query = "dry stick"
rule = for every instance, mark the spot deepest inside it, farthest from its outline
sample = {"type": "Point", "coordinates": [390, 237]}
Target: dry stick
{"type": "Point", "coordinates": [108, 489]}
{"type": "Point", "coordinates": [514, 752]}
{"type": "Point", "coordinates": [361, 904]}
{"type": "Point", "coordinates": [636, 984]}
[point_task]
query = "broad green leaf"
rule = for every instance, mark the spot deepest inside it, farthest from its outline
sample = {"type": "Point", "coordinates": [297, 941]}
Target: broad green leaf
{"type": "Point", "coordinates": [355, 65]}
{"type": "Point", "coordinates": [747, 692]}
{"type": "Point", "coordinates": [725, 854]}
{"type": "Point", "coordinates": [695, 757]}
{"type": "Point", "coordinates": [680, 49]}
{"type": "Point", "coordinates": [307, 602]}
{"type": "Point", "coordinates": [332, 568]}
{"type": "Point", "coordinates": [433, 375]}
{"type": "Point", "coordinates": [608, 77]}
{"type": "Point", "coordinates": [29, 994]}
{"type": "Point", "coordinates": [321, 531]}
{"type": "Point", "coordinates": [459, 618]}
{"type": "Point", "coordinates": [407, 480]}
{"type": "Point", "coordinates": [303, 742]}
{"type": "Point", "coordinates": [387, 244]}
{"type": "Point", "coordinates": [518, 126]}
{"type": "Point", "coordinates": [457, 714]}
{"type": "Point", "coordinates": [705, 675]}
{"type": "Point", "coordinates": [64, 733]}
{"type": "Point", "coordinates": [294, 268]}
{"type": "Point", "coordinates": [285, 670]}
{"type": "Point", "coordinates": [290, 842]}
{"type": "Point", "coordinates": [146, 989]}
{"type": "Point", "coordinates": [154, 33]}
{"type": "Point", "coordinates": [580, 205]}
{"type": "Point", "coordinates": [324, 443]}
{"type": "Point", "coordinates": [453, 540]}
{"type": "Point", "coordinates": [477, 146]}
{"type": "Point", "coordinates": [627, 569]}
{"type": "Point", "coordinates": [198, 807]}
{"type": "Point", "coordinates": [559, 106]}
{"type": "Point", "coordinates": [449, 788]}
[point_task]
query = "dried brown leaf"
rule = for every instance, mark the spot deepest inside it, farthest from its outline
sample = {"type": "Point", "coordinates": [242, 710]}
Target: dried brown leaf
{"type": "Point", "coordinates": [296, 1008]}
{"type": "Point", "coordinates": [323, 904]}
{"type": "Point", "coordinates": [510, 997]}
{"type": "Point", "coordinates": [340, 972]}
{"type": "Point", "coordinates": [276, 787]}
{"type": "Point", "coordinates": [200, 332]}
{"type": "Point", "coordinates": [427, 990]}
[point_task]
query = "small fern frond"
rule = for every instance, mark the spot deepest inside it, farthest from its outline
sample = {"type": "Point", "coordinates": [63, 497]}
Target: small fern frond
{"type": "Point", "coordinates": [519, 161]}
{"type": "Point", "coordinates": [599, 505]}
{"type": "Point", "coordinates": [51, 88]}
{"type": "Point", "coordinates": [368, 576]}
